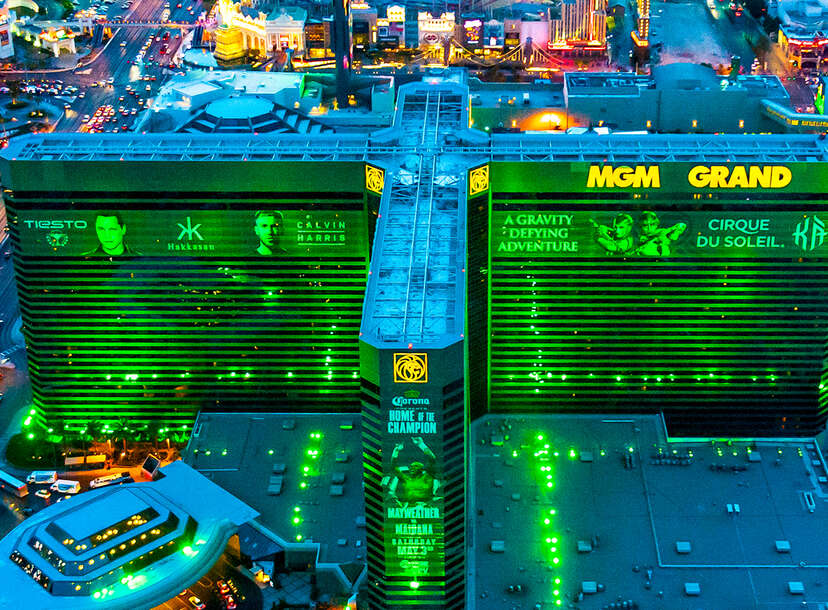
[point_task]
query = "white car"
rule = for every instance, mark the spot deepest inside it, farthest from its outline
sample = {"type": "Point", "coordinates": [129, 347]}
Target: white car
{"type": "Point", "coordinates": [43, 493]}
{"type": "Point", "coordinates": [123, 43]}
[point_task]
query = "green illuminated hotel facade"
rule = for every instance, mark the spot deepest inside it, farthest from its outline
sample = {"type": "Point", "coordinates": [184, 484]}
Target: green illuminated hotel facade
{"type": "Point", "coordinates": [423, 276]}
{"type": "Point", "coordinates": [195, 312]}
{"type": "Point", "coordinates": [719, 312]}
{"type": "Point", "coordinates": [693, 288]}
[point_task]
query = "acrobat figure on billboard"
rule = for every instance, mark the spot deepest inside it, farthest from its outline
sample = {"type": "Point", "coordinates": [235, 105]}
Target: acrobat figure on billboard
{"type": "Point", "coordinates": [269, 227]}
{"type": "Point", "coordinates": [416, 482]}
{"type": "Point", "coordinates": [111, 231]}
{"type": "Point", "coordinates": [654, 240]}
{"type": "Point", "coordinates": [617, 239]}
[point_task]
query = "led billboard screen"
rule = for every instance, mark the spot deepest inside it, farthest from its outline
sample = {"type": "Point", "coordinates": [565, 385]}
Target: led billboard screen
{"type": "Point", "coordinates": [663, 234]}
{"type": "Point", "coordinates": [220, 233]}
{"type": "Point", "coordinates": [412, 467]}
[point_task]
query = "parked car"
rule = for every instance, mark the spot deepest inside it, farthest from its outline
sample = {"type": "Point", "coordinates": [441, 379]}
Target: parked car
{"type": "Point", "coordinates": [196, 602]}
{"type": "Point", "coordinates": [111, 479]}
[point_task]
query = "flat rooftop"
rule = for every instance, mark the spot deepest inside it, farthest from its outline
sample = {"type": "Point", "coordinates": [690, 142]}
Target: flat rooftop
{"type": "Point", "coordinates": [610, 83]}
{"type": "Point", "coordinates": [497, 95]}
{"type": "Point", "coordinates": [563, 505]}
{"type": "Point", "coordinates": [193, 88]}
{"type": "Point", "coordinates": [248, 454]}
{"type": "Point", "coordinates": [95, 516]}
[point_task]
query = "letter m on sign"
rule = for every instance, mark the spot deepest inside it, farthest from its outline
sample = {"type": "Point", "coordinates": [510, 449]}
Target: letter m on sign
{"type": "Point", "coordinates": [600, 177]}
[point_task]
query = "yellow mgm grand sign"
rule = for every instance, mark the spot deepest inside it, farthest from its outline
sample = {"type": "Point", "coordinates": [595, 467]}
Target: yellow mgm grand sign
{"type": "Point", "coordinates": [699, 176]}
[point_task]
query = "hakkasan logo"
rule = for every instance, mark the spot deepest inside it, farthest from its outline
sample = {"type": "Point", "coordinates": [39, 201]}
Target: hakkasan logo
{"type": "Point", "coordinates": [409, 398]}
{"type": "Point", "coordinates": [189, 238]}
{"type": "Point", "coordinates": [410, 368]}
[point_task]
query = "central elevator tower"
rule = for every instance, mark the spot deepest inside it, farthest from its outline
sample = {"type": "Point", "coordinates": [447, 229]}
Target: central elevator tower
{"type": "Point", "coordinates": [412, 355]}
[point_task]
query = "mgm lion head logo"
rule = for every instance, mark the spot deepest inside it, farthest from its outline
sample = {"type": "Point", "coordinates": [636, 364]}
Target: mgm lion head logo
{"type": "Point", "coordinates": [478, 180]}
{"type": "Point", "coordinates": [410, 368]}
{"type": "Point", "coordinates": [374, 179]}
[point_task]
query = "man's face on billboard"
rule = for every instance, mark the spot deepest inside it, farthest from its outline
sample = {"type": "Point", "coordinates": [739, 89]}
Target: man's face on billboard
{"type": "Point", "coordinates": [269, 229]}
{"type": "Point", "coordinates": [110, 233]}
{"type": "Point", "coordinates": [622, 227]}
{"type": "Point", "coordinates": [649, 224]}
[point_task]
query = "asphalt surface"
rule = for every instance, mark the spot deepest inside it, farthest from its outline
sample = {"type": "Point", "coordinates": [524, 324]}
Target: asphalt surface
{"type": "Point", "coordinates": [245, 592]}
{"type": "Point", "coordinates": [119, 63]}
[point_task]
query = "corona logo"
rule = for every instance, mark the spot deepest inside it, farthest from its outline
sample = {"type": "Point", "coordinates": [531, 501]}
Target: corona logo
{"type": "Point", "coordinates": [723, 177]}
{"type": "Point", "coordinates": [410, 368]}
{"type": "Point", "coordinates": [478, 180]}
{"type": "Point", "coordinates": [624, 176]}
{"type": "Point", "coordinates": [374, 179]}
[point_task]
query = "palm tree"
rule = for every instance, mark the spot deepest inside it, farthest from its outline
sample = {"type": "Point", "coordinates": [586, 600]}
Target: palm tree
{"type": "Point", "coordinates": [93, 431]}
{"type": "Point", "coordinates": [15, 89]}
{"type": "Point", "coordinates": [154, 431]}
{"type": "Point", "coordinates": [122, 427]}
{"type": "Point", "coordinates": [59, 428]}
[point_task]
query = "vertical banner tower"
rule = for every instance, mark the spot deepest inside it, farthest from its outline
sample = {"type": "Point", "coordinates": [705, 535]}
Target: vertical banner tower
{"type": "Point", "coordinates": [412, 356]}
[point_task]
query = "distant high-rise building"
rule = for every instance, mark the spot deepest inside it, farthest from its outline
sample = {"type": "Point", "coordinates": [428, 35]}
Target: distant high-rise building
{"type": "Point", "coordinates": [6, 19]}
{"type": "Point", "coordinates": [641, 35]}
{"type": "Point", "coordinates": [582, 27]}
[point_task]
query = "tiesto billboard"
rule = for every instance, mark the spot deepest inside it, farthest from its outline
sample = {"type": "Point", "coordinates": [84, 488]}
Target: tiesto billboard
{"type": "Point", "coordinates": [265, 233]}
{"type": "Point", "coordinates": [648, 233]}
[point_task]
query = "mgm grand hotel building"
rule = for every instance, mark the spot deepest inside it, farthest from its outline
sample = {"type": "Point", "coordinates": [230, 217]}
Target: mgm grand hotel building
{"type": "Point", "coordinates": [424, 275]}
